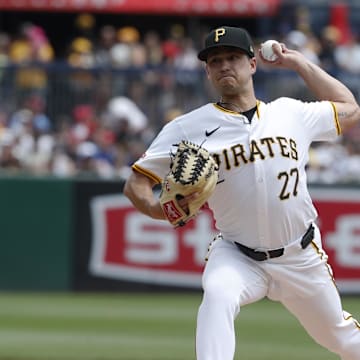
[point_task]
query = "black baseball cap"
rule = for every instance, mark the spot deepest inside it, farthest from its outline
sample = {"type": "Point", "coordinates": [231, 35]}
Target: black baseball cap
{"type": "Point", "coordinates": [227, 36]}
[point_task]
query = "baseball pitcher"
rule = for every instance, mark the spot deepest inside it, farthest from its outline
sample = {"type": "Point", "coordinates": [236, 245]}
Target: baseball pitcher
{"type": "Point", "coordinates": [268, 243]}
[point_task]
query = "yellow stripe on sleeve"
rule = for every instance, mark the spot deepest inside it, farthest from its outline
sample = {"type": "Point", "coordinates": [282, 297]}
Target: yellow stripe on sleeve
{"type": "Point", "coordinates": [336, 119]}
{"type": "Point", "coordinates": [147, 173]}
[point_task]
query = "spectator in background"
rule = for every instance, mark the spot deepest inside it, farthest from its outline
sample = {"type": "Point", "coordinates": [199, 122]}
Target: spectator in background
{"type": "Point", "coordinates": [122, 53]}
{"type": "Point", "coordinates": [329, 40]}
{"type": "Point", "coordinates": [153, 47]}
{"type": "Point", "coordinates": [171, 47]}
{"type": "Point", "coordinates": [131, 129]}
{"type": "Point", "coordinates": [85, 26]}
{"type": "Point", "coordinates": [347, 57]}
{"type": "Point", "coordinates": [324, 161]}
{"type": "Point", "coordinates": [8, 161]}
{"type": "Point", "coordinates": [32, 140]}
{"type": "Point", "coordinates": [31, 51]}
{"type": "Point", "coordinates": [307, 44]}
{"type": "Point", "coordinates": [169, 115]}
{"type": "Point", "coordinates": [6, 96]}
{"type": "Point", "coordinates": [84, 125]}
{"type": "Point", "coordinates": [106, 41]}
{"type": "Point", "coordinates": [41, 122]}
{"type": "Point", "coordinates": [3, 122]}
{"type": "Point", "coordinates": [82, 81]}
{"type": "Point", "coordinates": [127, 53]}
{"type": "Point", "coordinates": [130, 37]}
{"type": "Point", "coordinates": [85, 148]}
{"type": "Point", "coordinates": [105, 157]}
{"type": "Point", "coordinates": [187, 77]}
{"type": "Point", "coordinates": [81, 53]}
{"type": "Point", "coordinates": [62, 163]}
{"type": "Point", "coordinates": [122, 109]}
{"type": "Point", "coordinates": [152, 80]}
{"type": "Point", "coordinates": [32, 111]}
{"type": "Point", "coordinates": [4, 52]}
{"type": "Point", "coordinates": [350, 164]}
{"type": "Point", "coordinates": [85, 159]}
{"type": "Point", "coordinates": [81, 49]}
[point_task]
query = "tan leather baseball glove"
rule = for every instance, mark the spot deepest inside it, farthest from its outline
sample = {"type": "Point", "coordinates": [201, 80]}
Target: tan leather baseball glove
{"type": "Point", "coordinates": [192, 170]}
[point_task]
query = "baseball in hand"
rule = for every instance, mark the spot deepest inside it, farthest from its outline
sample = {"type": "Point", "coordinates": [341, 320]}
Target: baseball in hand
{"type": "Point", "coordinates": [267, 50]}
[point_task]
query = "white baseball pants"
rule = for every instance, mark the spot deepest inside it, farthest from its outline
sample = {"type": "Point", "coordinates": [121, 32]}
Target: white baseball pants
{"type": "Point", "coordinates": [301, 280]}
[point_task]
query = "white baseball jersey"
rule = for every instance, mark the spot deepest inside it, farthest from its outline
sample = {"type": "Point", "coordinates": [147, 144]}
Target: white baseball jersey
{"type": "Point", "coordinates": [261, 199]}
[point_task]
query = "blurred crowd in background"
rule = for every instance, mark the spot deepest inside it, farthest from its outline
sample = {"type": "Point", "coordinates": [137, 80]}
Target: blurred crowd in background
{"type": "Point", "coordinates": [93, 108]}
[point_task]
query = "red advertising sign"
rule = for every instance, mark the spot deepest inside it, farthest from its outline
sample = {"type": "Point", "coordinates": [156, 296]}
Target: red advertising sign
{"type": "Point", "coordinates": [129, 246]}
{"type": "Point", "coordinates": [177, 7]}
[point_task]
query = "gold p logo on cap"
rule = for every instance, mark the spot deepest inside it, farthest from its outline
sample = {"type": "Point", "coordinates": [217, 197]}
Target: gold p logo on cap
{"type": "Point", "coordinates": [219, 32]}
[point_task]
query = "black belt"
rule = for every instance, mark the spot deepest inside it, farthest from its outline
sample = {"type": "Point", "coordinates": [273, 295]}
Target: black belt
{"type": "Point", "coordinates": [269, 254]}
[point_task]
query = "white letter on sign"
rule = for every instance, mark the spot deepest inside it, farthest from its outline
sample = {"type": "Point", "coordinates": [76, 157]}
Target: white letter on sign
{"type": "Point", "coordinates": [149, 247]}
{"type": "Point", "coordinates": [346, 241]}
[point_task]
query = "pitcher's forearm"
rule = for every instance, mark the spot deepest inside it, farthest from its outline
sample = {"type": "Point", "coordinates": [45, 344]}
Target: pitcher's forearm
{"type": "Point", "coordinates": [138, 189]}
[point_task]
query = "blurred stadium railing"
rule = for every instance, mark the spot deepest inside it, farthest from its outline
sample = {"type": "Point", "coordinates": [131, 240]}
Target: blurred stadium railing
{"type": "Point", "coordinates": [153, 89]}
{"type": "Point", "coordinates": [155, 93]}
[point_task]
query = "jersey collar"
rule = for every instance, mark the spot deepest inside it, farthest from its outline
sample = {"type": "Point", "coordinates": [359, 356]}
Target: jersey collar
{"type": "Point", "coordinates": [258, 102]}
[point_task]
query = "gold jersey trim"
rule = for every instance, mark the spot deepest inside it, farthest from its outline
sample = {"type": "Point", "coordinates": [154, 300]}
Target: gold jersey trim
{"type": "Point", "coordinates": [236, 112]}
{"type": "Point", "coordinates": [258, 102]}
{"type": "Point", "coordinates": [336, 119]}
{"type": "Point", "coordinates": [226, 110]}
{"type": "Point", "coordinates": [147, 173]}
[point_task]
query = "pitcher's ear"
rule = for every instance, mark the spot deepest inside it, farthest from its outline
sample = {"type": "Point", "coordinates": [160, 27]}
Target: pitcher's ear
{"type": "Point", "coordinates": [253, 64]}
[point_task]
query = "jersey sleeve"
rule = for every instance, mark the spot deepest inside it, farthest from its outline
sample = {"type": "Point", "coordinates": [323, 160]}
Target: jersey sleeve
{"type": "Point", "coordinates": [155, 162]}
{"type": "Point", "coordinates": [320, 119]}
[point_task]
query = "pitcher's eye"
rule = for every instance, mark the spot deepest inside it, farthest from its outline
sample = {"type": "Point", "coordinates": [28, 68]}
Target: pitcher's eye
{"type": "Point", "coordinates": [233, 57]}
{"type": "Point", "coordinates": [214, 60]}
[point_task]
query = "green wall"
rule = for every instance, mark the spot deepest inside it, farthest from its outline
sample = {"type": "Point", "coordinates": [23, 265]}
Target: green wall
{"type": "Point", "coordinates": [36, 234]}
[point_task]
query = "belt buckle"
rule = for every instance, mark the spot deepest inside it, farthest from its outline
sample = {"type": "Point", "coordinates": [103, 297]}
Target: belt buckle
{"type": "Point", "coordinates": [264, 251]}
